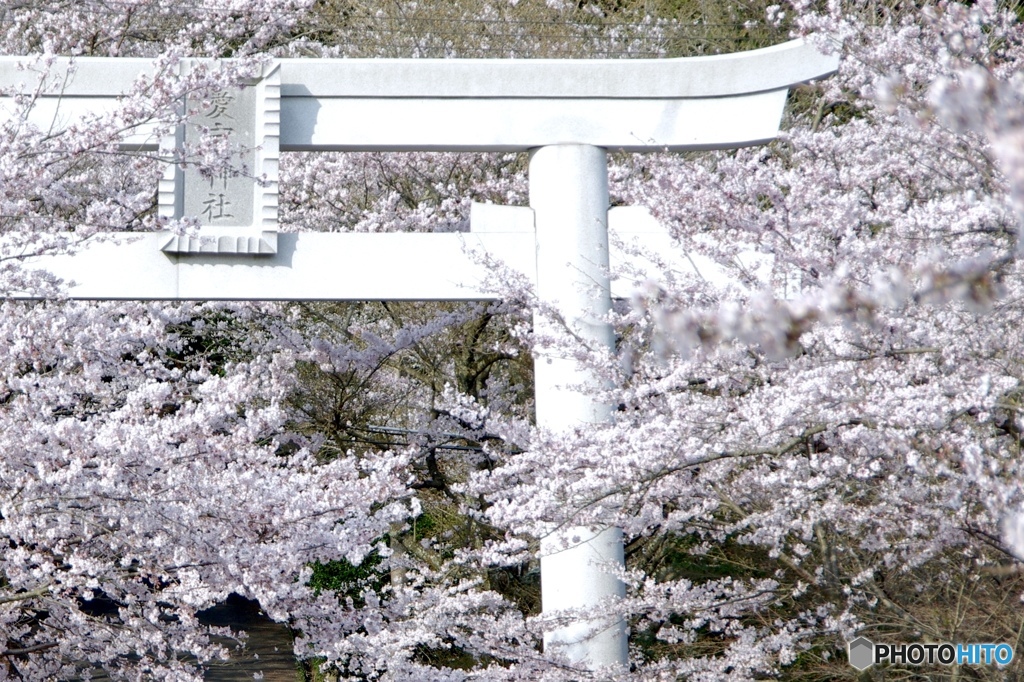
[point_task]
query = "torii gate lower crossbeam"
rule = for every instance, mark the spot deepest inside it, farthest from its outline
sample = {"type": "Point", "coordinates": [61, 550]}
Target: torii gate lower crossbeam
{"type": "Point", "coordinates": [566, 113]}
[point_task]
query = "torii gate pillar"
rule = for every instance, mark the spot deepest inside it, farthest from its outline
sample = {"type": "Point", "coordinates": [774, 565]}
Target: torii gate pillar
{"type": "Point", "coordinates": [569, 197]}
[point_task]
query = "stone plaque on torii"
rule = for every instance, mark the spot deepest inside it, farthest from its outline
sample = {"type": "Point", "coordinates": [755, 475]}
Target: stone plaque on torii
{"type": "Point", "coordinates": [565, 113]}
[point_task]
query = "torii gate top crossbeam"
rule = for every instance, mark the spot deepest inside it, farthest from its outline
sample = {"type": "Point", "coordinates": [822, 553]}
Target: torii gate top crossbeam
{"type": "Point", "coordinates": [770, 68]}
{"type": "Point", "coordinates": [487, 104]}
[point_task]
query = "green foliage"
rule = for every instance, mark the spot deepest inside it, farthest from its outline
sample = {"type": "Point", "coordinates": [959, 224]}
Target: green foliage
{"type": "Point", "coordinates": [347, 580]}
{"type": "Point", "coordinates": [536, 28]}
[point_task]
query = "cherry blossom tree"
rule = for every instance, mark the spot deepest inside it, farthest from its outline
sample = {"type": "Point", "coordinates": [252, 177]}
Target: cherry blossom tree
{"type": "Point", "coordinates": [856, 401]}
{"type": "Point", "coordinates": [146, 473]}
{"type": "Point", "coordinates": [827, 445]}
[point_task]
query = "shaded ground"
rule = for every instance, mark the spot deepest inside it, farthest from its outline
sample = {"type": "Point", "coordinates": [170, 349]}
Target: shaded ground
{"type": "Point", "coordinates": [268, 649]}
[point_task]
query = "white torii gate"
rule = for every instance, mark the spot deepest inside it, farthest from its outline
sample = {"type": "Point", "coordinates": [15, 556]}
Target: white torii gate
{"type": "Point", "coordinates": [565, 113]}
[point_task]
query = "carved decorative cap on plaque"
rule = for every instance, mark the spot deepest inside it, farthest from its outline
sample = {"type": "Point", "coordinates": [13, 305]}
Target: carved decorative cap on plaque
{"type": "Point", "coordinates": [236, 207]}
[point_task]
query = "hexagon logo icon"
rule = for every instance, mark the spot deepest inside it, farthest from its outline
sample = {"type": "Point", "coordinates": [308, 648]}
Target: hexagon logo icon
{"type": "Point", "coordinates": [861, 653]}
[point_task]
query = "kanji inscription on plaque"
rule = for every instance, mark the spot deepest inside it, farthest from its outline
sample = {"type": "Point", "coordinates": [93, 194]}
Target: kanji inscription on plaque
{"type": "Point", "coordinates": [235, 205]}
{"type": "Point", "coordinates": [225, 198]}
